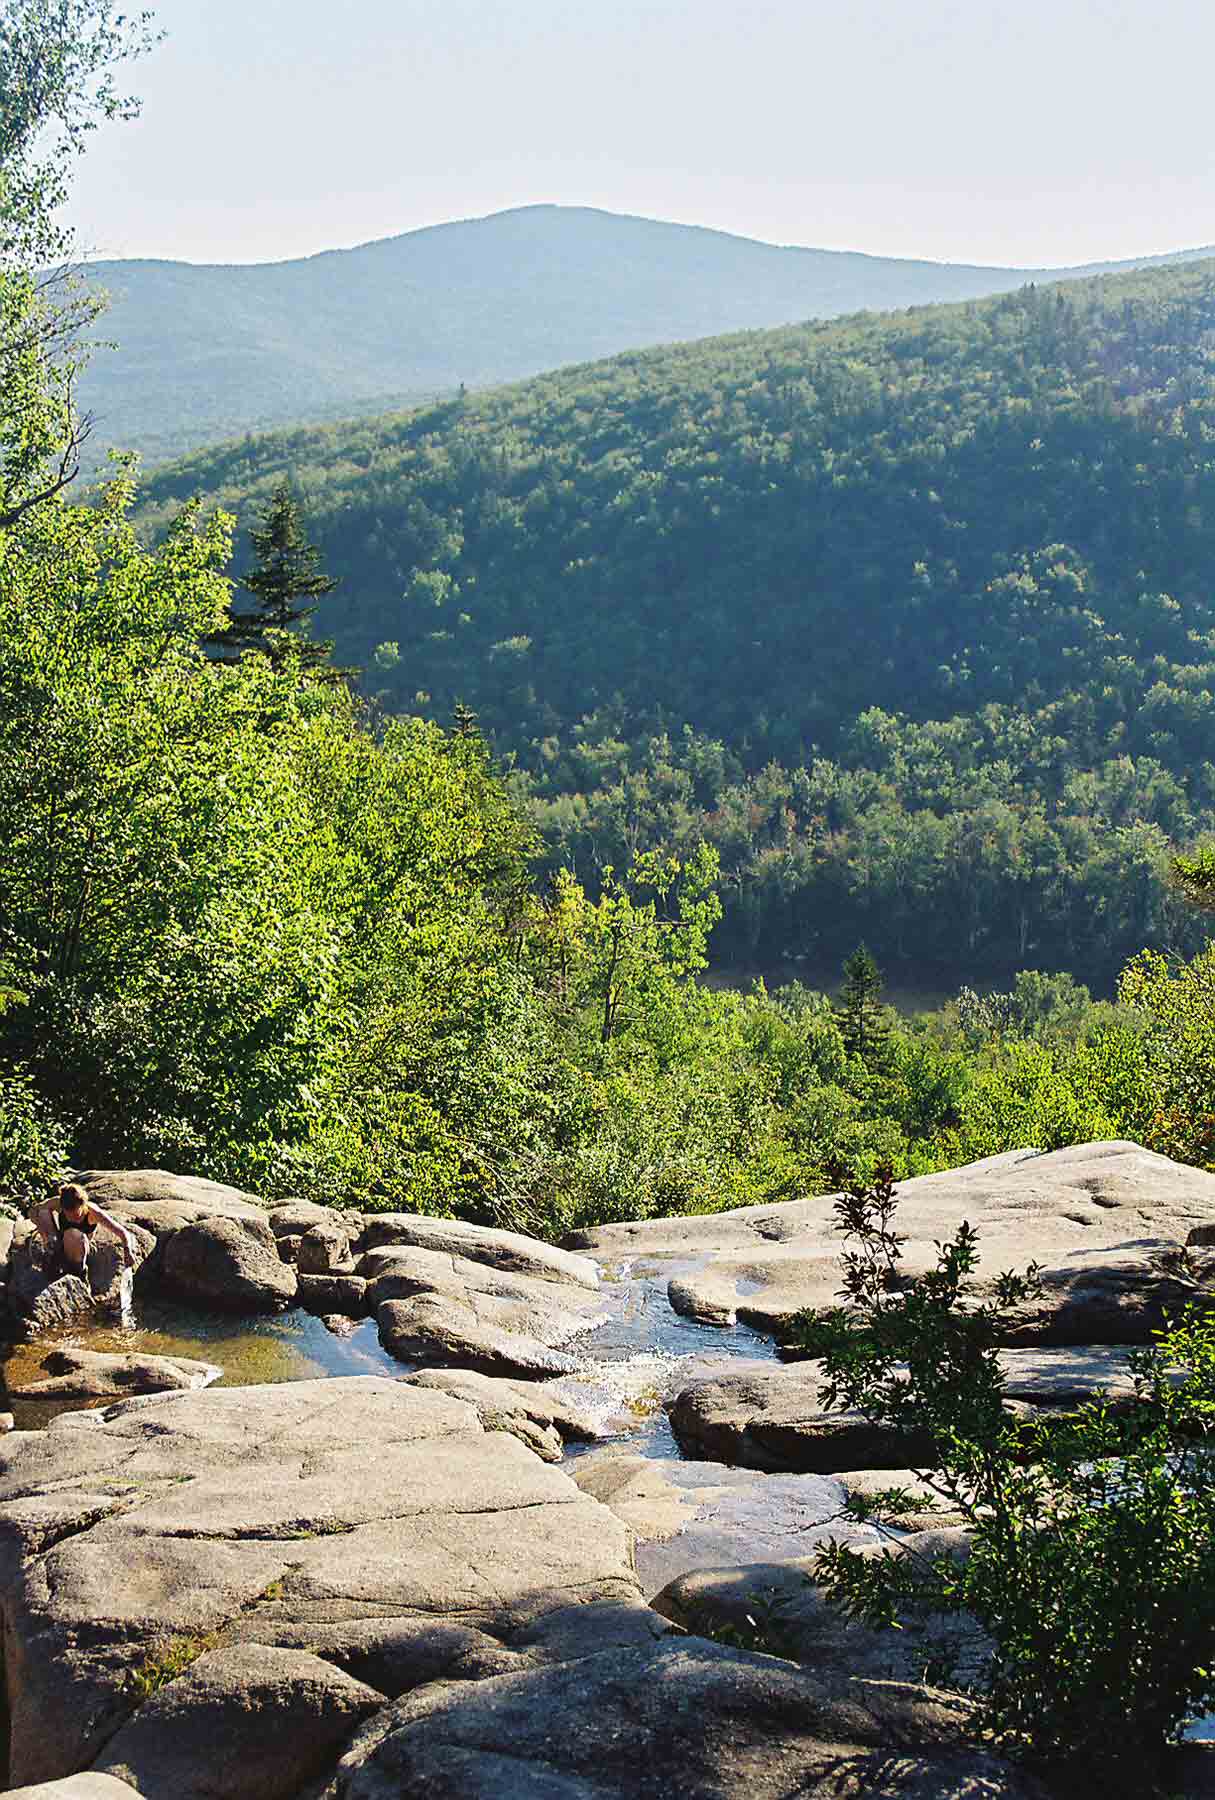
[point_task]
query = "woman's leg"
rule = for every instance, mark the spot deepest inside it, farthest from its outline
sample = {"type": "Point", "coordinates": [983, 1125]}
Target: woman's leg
{"type": "Point", "coordinates": [75, 1251]}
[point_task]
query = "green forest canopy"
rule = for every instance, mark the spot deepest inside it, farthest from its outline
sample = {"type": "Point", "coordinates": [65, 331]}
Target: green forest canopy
{"type": "Point", "coordinates": [911, 615]}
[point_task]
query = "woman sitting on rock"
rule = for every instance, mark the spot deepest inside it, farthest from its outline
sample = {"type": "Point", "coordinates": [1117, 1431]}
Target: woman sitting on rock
{"type": "Point", "coordinates": [67, 1224]}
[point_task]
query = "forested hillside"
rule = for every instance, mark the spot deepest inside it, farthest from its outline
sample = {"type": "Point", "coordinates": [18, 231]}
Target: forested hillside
{"type": "Point", "coordinates": [910, 616]}
{"type": "Point", "coordinates": [949, 567]}
{"type": "Point", "coordinates": [200, 353]}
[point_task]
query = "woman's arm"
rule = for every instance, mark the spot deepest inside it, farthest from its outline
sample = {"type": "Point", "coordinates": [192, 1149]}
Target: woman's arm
{"type": "Point", "coordinates": [115, 1225]}
{"type": "Point", "coordinates": [44, 1221]}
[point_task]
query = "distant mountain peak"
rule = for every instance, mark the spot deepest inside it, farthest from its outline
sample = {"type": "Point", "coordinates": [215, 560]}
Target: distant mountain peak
{"type": "Point", "coordinates": [212, 351]}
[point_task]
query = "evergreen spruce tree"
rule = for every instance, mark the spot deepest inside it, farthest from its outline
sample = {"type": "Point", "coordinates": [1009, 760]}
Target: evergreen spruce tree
{"type": "Point", "coordinates": [464, 721]}
{"type": "Point", "coordinates": [858, 1010]}
{"type": "Point", "coordinates": [286, 574]}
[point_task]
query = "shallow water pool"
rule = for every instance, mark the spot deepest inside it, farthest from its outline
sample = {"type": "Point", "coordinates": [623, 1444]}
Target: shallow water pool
{"type": "Point", "coordinates": [635, 1355]}
{"type": "Point", "coordinates": [291, 1346]}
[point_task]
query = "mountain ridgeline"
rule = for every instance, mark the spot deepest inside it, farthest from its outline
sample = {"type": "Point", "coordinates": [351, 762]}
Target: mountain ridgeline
{"type": "Point", "coordinates": [208, 352]}
{"type": "Point", "coordinates": [910, 615]}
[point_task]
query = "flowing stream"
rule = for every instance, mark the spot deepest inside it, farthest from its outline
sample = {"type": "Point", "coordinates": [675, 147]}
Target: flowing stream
{"type": "Point", "coordinates": [638, 1354]}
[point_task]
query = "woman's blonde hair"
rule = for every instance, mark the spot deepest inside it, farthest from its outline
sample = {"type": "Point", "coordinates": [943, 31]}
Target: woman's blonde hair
{"type": "Point", "coordinates": [73, 1195]}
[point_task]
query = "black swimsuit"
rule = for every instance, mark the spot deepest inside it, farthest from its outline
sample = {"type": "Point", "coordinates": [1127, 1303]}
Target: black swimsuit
{"type": "Point", "coordinates": [87, 1225]}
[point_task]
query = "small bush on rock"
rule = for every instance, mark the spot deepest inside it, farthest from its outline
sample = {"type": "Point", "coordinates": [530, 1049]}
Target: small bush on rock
{"type": "Point", "coordinates": [1091, 1563]}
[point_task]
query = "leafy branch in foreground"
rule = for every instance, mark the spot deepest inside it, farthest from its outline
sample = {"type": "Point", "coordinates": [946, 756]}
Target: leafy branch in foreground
{"type": "Point", "coordinates": [59, 63]}
{"type": "Point", "coordinates": [1091, 1559]}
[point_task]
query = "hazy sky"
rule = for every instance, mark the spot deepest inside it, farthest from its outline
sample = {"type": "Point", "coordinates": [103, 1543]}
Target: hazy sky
{"type": "Point", "coordinates": [1034, 132]}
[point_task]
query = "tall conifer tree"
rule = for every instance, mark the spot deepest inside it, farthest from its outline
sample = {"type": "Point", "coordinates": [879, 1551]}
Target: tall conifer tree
{"type": "Point", "coordinates": [286, 577]}
{"type": "Point", "coordinates": [858, 1010]}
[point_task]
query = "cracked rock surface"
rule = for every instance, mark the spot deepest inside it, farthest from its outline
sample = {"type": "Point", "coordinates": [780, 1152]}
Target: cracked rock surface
{"type": "Point", "coordinates": [675, 1717]}
{"type": "Point", "coordinates": [350, 1590]}
{"type": "Point", "coordinates": [314, 1543]}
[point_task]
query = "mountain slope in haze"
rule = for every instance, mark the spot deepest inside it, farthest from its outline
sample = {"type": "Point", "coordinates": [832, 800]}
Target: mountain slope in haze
{"type": "Point", "coordinates": [912, 615]}
{"type": "Point", "coordinates": [210, 352]}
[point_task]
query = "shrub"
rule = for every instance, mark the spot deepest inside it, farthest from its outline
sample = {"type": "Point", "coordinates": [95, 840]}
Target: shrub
{"type": "Point", "coordinates": [1092, 1534]}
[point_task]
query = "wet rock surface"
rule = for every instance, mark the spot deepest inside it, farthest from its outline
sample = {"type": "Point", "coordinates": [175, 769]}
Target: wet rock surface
{"type": "Point", "coordinates": [701, 1515]}
{"type": "Point", "coordinates": [66, 1300]}
{"type": "Point", "coordinates": [76, 1374]}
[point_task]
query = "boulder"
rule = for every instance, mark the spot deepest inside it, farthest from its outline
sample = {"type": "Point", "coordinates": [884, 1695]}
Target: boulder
{"type": "Point", "coordinates": [247, 1722]}
{"type": "Point", "coordinates": [108, 1266]}
{"type": "Point", "coordinates": [324, 1248]}
{"type": "Point", "coordinates": [434, 1329]}
{"type": "Point", "coordinates": [228, 1263]}
{"type": "Point", "coordinates": [529, 1410]}
{"type": "Point", "coordinates": [676, 1717]}
{"type": "Point", "coordinates": [438, 1308]}
{"type": "Point", "coordinates": [1121, 1294]}
{"type": "Point", "coordinates": [65, 1301]}
{"type": "Point", "coordinates": [323, 1294]}
{"type": "Point", "coordinates": [924, 1510]}
{"type": "Point", "coordinates": [775, 1419]}
{"type": "Point", "coordinates": [163, 1201]}
{"type": "Point", "coordinates": [75, 1374]}
{"type": "Point", "coordinates": [762, 1264]}
{"type": "Point", "coordinates": [292, 1218]}
{"type": "Point", "coordinates": [500, 1249]}
{"type": "Point", "coordinates": [289, 1246]}
{"type": "Point", "coordinates": [1057, 1380]}
{"type": "Point", "coordinates": [137, 1540]}
{"type": "Point", "coordinates": [551, 1311]}
{"type": "Point", "coordinates": [8, 1229]}
{"type": "Point", "coordinates": [27, 1269]}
